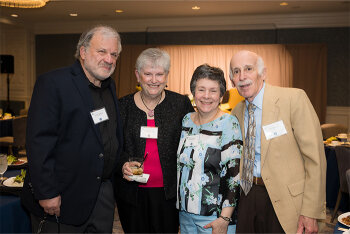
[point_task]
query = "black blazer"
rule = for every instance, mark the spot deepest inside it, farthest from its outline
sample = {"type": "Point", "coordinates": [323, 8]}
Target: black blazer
{"type": "Point", "coordinates": [168, 118]}
{"type": "Point", "coordinates": [64, 146]}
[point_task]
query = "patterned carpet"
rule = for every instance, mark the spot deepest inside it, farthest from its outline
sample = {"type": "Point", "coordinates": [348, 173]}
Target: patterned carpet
{"type": "Point", "coordinates": [326, 226]}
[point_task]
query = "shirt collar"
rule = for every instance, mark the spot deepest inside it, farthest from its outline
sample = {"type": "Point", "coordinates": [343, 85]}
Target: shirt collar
{"type": "Point", "coordinates": [104, 84]}
{"type": "Point", "coordinates": [258, 100]}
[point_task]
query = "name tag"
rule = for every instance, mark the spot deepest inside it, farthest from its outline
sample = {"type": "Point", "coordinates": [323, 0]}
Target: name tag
{"type": "Point", "coordinates": [99, 115]}
{"type": "Point", "coordinates": [274, 130]}
{"type": "Point", "coordinates": [149, 132]}
{"type": "Point", "coordinates": [192, 141]}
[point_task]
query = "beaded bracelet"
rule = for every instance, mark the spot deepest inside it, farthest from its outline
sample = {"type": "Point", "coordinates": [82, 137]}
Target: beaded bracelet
{"type": "Point", "coordinates": [225, 218]}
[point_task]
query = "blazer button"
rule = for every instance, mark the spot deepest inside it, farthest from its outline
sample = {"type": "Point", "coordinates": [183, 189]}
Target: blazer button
{"type": "Point", "coordinates": [101, 155]}
{"type": "Point", "coordinates": [98, 178]}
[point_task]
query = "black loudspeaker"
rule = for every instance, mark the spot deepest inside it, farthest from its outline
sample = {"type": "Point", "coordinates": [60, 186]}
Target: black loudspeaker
{"type": "Point", "coordinates": [7, 64]}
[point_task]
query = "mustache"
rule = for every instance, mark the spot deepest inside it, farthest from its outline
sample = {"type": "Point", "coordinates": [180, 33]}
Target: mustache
{"type": "Point", "coordinates": [244, 82]}
{"type": "Point", "coordinates": [106, 65]}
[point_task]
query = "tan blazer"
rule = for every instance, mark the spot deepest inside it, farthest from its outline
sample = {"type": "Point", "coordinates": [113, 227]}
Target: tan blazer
{"type": "Point", "coordinates": [293, 166]}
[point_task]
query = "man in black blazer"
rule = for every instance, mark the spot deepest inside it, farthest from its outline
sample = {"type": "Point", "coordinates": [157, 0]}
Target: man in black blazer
{"type": "Point", "coordinates": [74, 138]}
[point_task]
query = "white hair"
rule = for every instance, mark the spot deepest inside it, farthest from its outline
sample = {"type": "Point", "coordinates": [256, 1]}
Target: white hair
{"type": "Point", "coordinates": [86, 37]}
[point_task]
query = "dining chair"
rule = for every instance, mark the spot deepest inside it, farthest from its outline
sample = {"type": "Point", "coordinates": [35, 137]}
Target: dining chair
{"type": "Point", "coordinates": [18, 140]}
{"type": "Point", "coordinates": [332, 129]}
{"type": "Point", "coordinates": [342, 154]}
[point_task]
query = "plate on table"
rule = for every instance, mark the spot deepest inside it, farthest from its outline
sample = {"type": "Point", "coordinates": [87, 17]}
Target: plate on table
{"type": "Point", "coordinates": [344, 216]}
{"type": "Point", "coordinates": [21, 162]}
{"type": "Point", "coordinates": [10, 182]}
{"type": "Point", "coordinates": [335, 143]}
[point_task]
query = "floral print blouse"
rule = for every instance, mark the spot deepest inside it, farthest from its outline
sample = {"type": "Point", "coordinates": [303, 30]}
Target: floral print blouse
{"type": "Point", "coordinates": [208, 165]}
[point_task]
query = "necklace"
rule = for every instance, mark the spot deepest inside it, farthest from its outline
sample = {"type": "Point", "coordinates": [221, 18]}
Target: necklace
{"type": "Point", "coordinates": [150, 112]}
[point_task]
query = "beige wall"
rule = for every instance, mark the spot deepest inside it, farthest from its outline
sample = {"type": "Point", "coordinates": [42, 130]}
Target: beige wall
{"type": "Point", "coordinates": [19, 43]}
{"type": "Point", "coordinates": [338, 114]}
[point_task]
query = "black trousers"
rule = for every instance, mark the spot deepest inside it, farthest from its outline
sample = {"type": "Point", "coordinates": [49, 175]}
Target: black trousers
{"type": "Point", "coordinates": [256, 213]}
{"type": "Point", "coordinates": [100, 220]}
{"type": "Point", "coordinates": [152, 213]}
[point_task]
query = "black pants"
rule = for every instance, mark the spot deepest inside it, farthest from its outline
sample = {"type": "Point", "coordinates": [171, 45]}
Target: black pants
{"type": "Point", "coordinates": [152, 213]}
{"type": "Point", "coordinates": [256, 213]}
{"type": "Point", "coordinates": [100, 220]}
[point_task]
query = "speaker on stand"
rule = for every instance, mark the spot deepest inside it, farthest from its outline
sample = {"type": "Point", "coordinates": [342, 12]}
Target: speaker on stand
{"type": "Point", "coordinates": [7, 67]}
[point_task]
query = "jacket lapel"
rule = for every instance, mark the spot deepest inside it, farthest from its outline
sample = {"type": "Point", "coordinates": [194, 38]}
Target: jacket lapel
{"type": "Point", "coordinates": [241, 117]}
{"type": "Point", "coordinates": [80, 81]}
{"type": "Point", "coordinates": [269, 115]}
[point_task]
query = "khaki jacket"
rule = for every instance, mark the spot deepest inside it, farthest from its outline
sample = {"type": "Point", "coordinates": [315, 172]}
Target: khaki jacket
{"type": "Point", "coordinates": [293, 166]}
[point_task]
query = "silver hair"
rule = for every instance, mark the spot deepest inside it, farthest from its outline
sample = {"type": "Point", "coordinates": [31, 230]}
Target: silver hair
{"type": "Point", "coordinates": [260, 65]}
{"type": "Point", "coordinates": [154, 57]}
{"type": "Point", "coordinates": [86, 37]}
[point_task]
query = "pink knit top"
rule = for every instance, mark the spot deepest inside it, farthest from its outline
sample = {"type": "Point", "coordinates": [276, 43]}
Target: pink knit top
{"type": "Point", "coordinates": [152, 163]}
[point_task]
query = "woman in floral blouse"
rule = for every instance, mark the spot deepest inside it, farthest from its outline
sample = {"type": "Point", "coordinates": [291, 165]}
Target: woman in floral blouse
{"type": "Point", "coordinates": [208, 158]}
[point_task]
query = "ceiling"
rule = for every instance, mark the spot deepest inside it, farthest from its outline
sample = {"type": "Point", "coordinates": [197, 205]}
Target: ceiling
{"type": "Point", "coordinates": [88, 10]}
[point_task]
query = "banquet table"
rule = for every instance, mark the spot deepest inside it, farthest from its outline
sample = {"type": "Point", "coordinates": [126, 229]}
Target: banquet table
{"type": "Point", "coordinates": [6, 127]}
{"type": "Point", "coordinates": [332, 180]}
{"type": "Point", "coordinates": [339, 225]}
{"type": "Point", "coordinates": [13, 217]}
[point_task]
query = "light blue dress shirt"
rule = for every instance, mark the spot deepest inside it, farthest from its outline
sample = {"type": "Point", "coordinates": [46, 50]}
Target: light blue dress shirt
{"type": "Point", "coordinates": [258, 102]}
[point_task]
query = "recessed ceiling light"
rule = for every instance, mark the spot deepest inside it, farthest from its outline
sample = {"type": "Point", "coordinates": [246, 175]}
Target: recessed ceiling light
{"type": "Point", "coordinates": [283, 4]}
{"type": "Point", "coordinates": [14, 15]}
{"type": "Point", "coordinates": [119, 11]}
{"type": "Point", "coordinates": [196, 8]}
{"type": "Point", "coordinates": [73, 14]}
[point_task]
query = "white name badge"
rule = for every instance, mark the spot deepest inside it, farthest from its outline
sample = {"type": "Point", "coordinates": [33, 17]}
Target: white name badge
{"type": "Point", "coordinates": [149, 132]}
{"type": "Point", "coordinates": [275, 129]}
{"type": "Point", "coordinates": [192, 141]}
{"type": "Point", "coordinates": [99, 115]}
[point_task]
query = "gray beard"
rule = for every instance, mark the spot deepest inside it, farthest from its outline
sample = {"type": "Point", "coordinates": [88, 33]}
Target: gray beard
{"type": "Point", "coordinates": [100, 78]}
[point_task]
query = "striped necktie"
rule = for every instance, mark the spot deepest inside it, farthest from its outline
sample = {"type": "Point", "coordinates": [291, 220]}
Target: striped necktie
{"type": "Point", "coordinates": [249, 152]}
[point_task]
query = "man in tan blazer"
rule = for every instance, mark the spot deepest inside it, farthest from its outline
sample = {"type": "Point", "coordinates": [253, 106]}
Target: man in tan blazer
{"type": "Point", "coordinates": [287, 190]}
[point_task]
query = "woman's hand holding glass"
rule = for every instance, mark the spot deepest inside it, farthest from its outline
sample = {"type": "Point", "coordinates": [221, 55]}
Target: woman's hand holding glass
{"type": "Point", "coordinates": [133, 167]}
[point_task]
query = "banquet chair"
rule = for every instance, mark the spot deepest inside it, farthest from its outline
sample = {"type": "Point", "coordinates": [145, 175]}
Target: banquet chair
{"type": "Point", "coordinates": [343, 160]}
{"type": "Point", "coordinates": [23, 111]}
{"type": "Point", "coordinates": [18, 139]}
{"type": "Point", "coordinates": [332, 129]}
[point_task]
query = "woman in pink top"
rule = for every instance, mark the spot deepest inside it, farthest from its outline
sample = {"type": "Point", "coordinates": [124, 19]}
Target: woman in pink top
{"type": "Point", "coordinates": [152, 126]}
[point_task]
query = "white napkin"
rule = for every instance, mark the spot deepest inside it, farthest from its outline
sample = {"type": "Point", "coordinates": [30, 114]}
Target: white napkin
{"type": "Point", "coordinates": [140, 178]}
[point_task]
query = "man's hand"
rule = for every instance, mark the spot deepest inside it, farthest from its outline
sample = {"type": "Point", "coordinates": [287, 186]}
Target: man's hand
{"type": "Point", "coordinates": [218, 226]}
{"type": "Point", "coordinates": [307, 224]}
{"type": "Point", "coordinates": [51, 206]}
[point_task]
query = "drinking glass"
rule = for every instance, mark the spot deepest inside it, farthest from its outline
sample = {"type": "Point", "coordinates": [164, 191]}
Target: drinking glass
{"type": "Point", "coordinates": [3, 166]}
{"type": "Point", "coordinates": [136, 165]}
